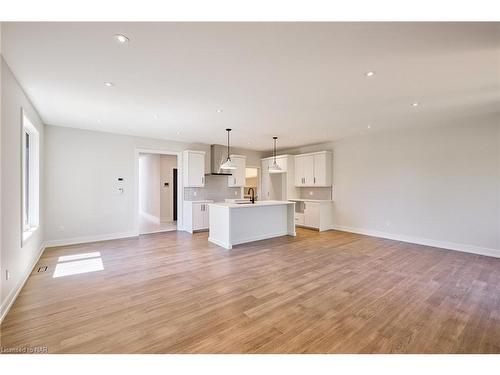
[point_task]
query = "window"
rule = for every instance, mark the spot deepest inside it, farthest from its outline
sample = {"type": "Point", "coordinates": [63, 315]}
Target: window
{"type": "Point", "coordinates": [30, 190]}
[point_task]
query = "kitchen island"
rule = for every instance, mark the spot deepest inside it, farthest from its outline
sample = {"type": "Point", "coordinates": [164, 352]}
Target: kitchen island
{"type": "Point", "coordinates": [236, 223]}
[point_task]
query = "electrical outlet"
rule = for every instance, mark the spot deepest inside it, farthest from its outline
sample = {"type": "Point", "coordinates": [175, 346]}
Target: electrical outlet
{"type": "Point", "coordinates": [7, 275]}
{"type": "Point", "coordinates": [195, 193]}
{"type": "Point", "coordinates": [235, 193]}
{"type": "Point", "coordinates": [311, 193]}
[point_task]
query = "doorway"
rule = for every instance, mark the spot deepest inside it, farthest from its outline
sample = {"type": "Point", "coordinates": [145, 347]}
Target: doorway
{"type": "Point", "coordinates": [157, 176]}
{"type": "Point", "coordinates": [252, 180]}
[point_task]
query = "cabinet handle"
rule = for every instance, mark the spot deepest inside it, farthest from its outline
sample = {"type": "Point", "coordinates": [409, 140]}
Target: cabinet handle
{"type": "Point", "coordinates": [202, 180]}
{"type": "Point", "coordinates": [314, 179]}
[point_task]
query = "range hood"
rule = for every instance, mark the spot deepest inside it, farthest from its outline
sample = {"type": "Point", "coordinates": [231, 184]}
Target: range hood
{"type": "Point", "coordinates": [218, 155]}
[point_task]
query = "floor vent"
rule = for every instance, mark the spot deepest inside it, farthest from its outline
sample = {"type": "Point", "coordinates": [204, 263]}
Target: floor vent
{"type": "Point", "coordinates": [42, 269]}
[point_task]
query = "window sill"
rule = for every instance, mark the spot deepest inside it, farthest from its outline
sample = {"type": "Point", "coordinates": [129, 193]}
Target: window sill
{"type": "Point", "coordinates": [28, 233]}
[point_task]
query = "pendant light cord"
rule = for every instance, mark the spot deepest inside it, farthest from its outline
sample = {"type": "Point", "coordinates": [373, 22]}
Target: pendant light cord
{"type": "Point", "coordinates": [228, 130]}
{"type": "Point", "coordinates": [275, 138]}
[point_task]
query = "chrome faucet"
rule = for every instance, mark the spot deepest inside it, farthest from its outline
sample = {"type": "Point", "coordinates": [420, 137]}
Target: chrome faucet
{"type": "Point", "coordinates": [252, 199]}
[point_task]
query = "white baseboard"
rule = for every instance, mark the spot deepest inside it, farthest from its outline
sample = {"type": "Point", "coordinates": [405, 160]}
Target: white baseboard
{"type": "Point", "coordinates": [225, 245]}
{"type": "Point", "coordinates": [87, 239]}
{"type": "Point", "coordinates": [424, 241]}
{"type": "Point", "coordinates": [9, 301]}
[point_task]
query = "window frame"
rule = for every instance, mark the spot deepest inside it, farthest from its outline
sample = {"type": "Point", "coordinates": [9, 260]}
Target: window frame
{"type": "Point", "coordinates": [30, 181]}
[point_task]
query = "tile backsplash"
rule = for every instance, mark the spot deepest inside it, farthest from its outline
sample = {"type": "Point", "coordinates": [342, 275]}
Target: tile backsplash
{"type": "Point", "coordinates": [215, 189]}
{"type": "Point", "coordinates": [315, 193]}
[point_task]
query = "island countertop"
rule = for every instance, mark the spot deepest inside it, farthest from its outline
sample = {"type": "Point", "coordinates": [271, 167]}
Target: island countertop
{"type": "Point", "coordinates": [250, 205]}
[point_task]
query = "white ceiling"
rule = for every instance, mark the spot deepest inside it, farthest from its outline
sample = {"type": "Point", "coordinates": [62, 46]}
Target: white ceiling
{"type": "Point", "coordinates": [304, 82]}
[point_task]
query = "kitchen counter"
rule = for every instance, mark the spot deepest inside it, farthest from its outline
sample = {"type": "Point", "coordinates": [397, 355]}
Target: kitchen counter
{"type": "Point", "coordinates": [232, 223]}
{"type": "Point", "coordinates": [311, 200]}
{"type": "Point", "coordinates": [250, 205]}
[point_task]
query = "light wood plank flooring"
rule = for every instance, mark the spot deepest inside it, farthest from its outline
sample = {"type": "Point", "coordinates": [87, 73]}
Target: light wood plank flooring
{"type": "Point", "coordinates": [330, 292]}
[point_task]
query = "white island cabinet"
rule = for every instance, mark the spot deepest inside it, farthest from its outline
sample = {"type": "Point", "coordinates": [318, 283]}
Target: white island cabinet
{"type": "Point", "coordinates": [236, 223]}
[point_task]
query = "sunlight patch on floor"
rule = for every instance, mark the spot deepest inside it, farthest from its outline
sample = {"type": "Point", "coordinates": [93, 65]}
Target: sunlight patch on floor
{"type": "Point", "coordinates": [78, 263]}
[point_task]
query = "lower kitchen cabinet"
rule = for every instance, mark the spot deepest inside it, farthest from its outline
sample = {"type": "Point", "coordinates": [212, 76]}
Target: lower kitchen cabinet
{"type": "Point", "coordinates": [314, 214]}
{"type": "Point", "coordinates": [196, 215]}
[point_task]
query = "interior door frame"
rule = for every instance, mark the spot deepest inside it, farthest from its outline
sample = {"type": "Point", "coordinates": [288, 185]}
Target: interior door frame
{"type": "Point", "coordinates": [175, 194]}
{"type": "Point", "coordinates": [180, 187]}
{"type": "Point", "coordinates": [259, 185]}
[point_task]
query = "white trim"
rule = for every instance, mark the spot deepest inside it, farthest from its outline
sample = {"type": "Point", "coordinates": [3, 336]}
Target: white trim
{"type": "Point", "coordinates": [225, 245]}
{"type": "Point", "coordinates": [424, 241]}
{"type": "Point", "coordinates": [31, 223]}
{"type": "Point", "coordinates": [159, 231]}
{"type": "Point", "coordinates": [87, 239]}
{"type": "Point", "coordinates": [180, 184]}
{"type": "Point", "coordinates": [9, 301]}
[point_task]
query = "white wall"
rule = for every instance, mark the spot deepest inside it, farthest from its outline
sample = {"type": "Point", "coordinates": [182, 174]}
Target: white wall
{"type": "Point", "coordinates": [167, 165]}
{"type": "Point", "coordinates": [81, 194]}
{"type": "Point", "coordinates": [2, 307]}
{"type": "Point", "coordinates": [149, 186]}
{"type": "Point", "coordinates": [1, 125]}
{"type": "Point", "coordinates": [434, 185]}
{"type": "Point", "coordinates": [18, 260]}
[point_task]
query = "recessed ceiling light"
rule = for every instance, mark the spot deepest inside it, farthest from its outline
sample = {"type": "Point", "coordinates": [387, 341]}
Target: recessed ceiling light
{"type": "Point", "coordinates": [219, 111]}
{"type": "Point", "coordinates": [108, 84]}
{"type": "Point", "coordinates": [370, 73]}
{"type": "Point", "coordinates": [122, 39]}
{"type": "Point", "coordinates": [369, 126]}
{"type": "Point", "coordinates": [156, 117]}
{"type": "Point", "coordinates": [99, 121]}
{"type": "Point", "coordinates": [178, 133]}
{"type": "Point", "coordinates": [414, 104]}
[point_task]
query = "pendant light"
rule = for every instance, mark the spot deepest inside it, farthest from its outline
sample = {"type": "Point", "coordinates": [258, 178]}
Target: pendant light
{"type": "Point", "coordinates": [275, 168]}
{"type": "Point", "coordinates": [228, 164]}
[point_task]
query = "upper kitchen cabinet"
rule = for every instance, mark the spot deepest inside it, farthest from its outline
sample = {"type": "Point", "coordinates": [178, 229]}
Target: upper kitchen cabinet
{"type": "Point", "coordinates": [304, 170]}
{"type": "Point", "coordinates": [238, 177]}
{"type": "Point", "coordinates": [194, 168]}
{"type": "Point", "coordinates": [314, 169]}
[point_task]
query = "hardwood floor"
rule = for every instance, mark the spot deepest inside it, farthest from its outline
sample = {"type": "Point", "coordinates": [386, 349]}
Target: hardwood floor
{"type": "Point", "coordinates": [329, 292]}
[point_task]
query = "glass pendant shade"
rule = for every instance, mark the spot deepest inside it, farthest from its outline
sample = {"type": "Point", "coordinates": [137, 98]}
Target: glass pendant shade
{"type": "Point", "coordinates": [228, 164]}
{"type": "Point", "coordinates": [275, 168]}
